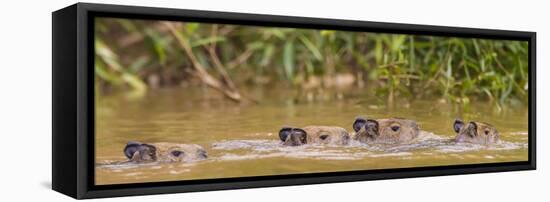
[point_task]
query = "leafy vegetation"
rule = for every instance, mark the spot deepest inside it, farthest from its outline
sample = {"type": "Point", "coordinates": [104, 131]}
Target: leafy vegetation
{"type": "Point", "coordinates": [137, 55]}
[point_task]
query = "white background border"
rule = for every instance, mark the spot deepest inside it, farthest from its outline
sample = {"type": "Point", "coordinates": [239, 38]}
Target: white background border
{"type": "Point", "coordinates": [25, 99]}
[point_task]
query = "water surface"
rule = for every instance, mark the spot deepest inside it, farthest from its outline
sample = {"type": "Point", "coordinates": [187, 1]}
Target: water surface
{"type": "Point", "coordinates": [242, 140]}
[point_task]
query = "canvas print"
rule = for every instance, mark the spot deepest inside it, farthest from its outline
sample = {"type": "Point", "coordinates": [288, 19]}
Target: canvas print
{"type": "Point", "coordinates": [178, 101]}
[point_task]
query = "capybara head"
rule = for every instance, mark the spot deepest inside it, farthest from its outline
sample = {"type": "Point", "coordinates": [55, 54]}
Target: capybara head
{"type": "Point", "coordinates": [163, 152]}
{"type": "Point", "coordinates": [389, 131]}
{"type": "Point", "coordinates": [475, 132]}
{"type": "Point", "coordinates": [314, 135]}
{"type": "Point", "coordinates": [293, 136]}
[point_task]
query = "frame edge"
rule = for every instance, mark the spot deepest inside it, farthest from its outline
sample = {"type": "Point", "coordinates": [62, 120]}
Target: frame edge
{"type": "Point", "coordinates": [64, 145]}
{"type": "Point", "coordinates": [81, 54]}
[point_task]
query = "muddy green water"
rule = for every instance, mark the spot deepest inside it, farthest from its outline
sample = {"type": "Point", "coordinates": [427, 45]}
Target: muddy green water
{"type": "Point", "coordinates": [243, 140]}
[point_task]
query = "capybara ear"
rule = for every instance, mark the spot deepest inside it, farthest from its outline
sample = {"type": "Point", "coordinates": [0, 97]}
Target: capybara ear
{"type": "Point", "coordinates": [145, 151]}
{"type": "Point", "coordinates": [301, 134]}
{"type": "Point", "coordinates": [472, 127]}
{"type": "Point", "coordinates": [284, 133]}
{"type": "Point", "coordinates": [131, 148]}
{"type": "Point", "coordinates": [358, 124]}
{"type": "Point", "coordinates": [458, 124]}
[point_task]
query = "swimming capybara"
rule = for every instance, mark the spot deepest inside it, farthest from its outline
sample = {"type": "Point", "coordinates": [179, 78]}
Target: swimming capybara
{"type": "Point", "coordinates": [475, 132]}
{"type": "Point", "coordinates": [163, 152]}
{"type": "Point", "coordinates": [314, 135]}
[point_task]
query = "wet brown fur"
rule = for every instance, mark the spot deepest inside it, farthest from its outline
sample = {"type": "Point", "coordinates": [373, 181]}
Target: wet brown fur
{"type": "Point", "coordinates": [476, 132]}
{"type": "Point", "coordinates": [320, 135]}
{"type": "Point", "coordinates": [381, 131]}
{"type": "Point", "coordinates": [166, 152]}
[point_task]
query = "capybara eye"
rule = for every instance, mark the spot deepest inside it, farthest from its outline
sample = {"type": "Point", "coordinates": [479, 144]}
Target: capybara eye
{"type": "Point", "coordinates": [487, 131]}
{"type": "Point", "coordinates": [323, 137]}
{"type": "Point", "coordinates": [176, 153]}
{"type": "Point", "coordinates": [395, 128]}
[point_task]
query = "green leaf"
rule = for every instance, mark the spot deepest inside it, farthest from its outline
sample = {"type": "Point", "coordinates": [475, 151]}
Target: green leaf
{"type": "Point", "coordinates": [255, 45]}
{"type": "Point", "coordinates": [449, 72]}
{"type": "Point", "coordinates": [137, 65]}
{"type": "Point", "coordinates": [102, 72]}
{"type": "Point", "coordinates": [107, 55]}
{"type": "Point", "coordinates": [312, 48]}
{"type": "Point", "coordinates": [327, 32]}
{"type": "Point", "coordinates": [134, 82]}
{"type": "Point", "coordinates": [207, 40]}
{"type": "Point", "coordinates": [159, 45]}
{"type": "Point", "coordinates": [310, 69]}
{"type": "Point", "coordinates": [378, 53]}
{"type": "Point", "coordinates": [288, 59]}
{"type": "Point", "coordinates": [268, 53]}
{"type": "Point", "coordinates": [276, 32]}
{"type": "Point", "coordinates": [127, 25]}
{"type": "Point", "coordinates": [191, 27]}
{"type": "Point", "coordinates": [397, 42]}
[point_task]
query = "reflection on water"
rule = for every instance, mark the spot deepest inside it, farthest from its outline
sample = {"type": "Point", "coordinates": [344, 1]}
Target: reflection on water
{"type": "Point", "coordinates": [243, 140]}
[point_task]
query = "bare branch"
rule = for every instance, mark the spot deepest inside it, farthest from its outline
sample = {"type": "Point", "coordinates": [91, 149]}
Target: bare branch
{"type": "Point", "coordinates": [217, 62]}
{"type": "Point", "coordinates": [201, 72]}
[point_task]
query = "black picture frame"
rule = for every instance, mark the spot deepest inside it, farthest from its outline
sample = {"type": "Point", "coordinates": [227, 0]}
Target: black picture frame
{"type": "Point", "coordinates": [73, 100]}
